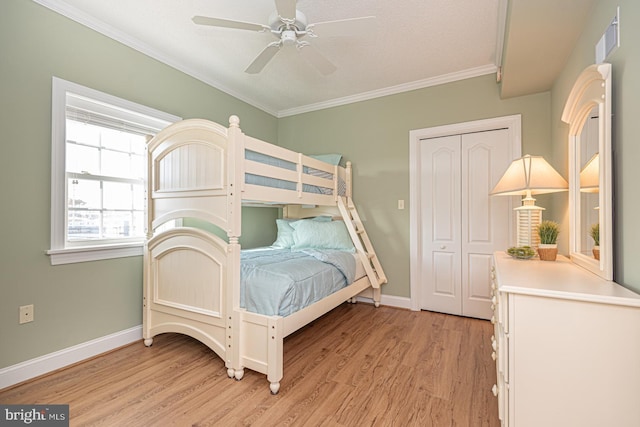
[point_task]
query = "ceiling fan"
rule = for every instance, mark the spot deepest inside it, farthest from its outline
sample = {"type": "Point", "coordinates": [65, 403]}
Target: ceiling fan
{"type": "Point", "coordinates": [289, 26]}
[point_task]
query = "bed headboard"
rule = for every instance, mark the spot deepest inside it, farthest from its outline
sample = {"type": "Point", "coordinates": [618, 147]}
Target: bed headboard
{"type": "Point", "coordinates": [189, 172]}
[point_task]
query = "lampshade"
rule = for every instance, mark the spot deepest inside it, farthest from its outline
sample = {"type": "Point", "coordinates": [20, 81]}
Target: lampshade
{"type": "Point", "coordinates": [526, 176]}
{"type": "Point", "coordinates": [529, 175]}
{"type": "Point", "coordinates": [590, 175]}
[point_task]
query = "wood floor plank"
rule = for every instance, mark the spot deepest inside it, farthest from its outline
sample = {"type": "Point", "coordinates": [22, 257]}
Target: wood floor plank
{"type": "Point", "coordinates": [356, 366]}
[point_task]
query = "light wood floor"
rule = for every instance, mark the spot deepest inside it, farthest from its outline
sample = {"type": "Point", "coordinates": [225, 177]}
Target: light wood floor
{"type": "Point", "coordinates": [356, 366]}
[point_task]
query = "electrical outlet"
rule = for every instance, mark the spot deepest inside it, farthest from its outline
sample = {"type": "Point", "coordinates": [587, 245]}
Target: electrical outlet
{"type": "Point", "coordinates": [26, 313]}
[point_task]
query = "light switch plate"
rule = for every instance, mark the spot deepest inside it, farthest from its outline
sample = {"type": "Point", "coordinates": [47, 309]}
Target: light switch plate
{"type": "Point", "coordinates": [26, 313]}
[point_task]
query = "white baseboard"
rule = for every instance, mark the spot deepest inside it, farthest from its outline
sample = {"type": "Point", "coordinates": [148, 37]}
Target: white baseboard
{"type": "Point", "coordinates": [390, 300]}
{"type": "Point", "coordinates": [50, 362]}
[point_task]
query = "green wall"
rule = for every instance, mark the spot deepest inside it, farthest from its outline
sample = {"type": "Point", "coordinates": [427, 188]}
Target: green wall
{"type": "Point", "coordinates": [77, 302]}
{"type": "Point", "coordinates": [625, 125]}
{"type": "Point", "coordinates": [374, 134]}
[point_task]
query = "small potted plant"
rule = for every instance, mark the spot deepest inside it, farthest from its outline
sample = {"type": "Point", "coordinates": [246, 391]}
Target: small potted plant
{"type": "Point", "coordinates": [595, 235]}
{"type": "Point", "coordinates": [548, 248]}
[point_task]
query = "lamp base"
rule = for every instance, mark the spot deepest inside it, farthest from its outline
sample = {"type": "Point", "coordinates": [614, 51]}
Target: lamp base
{"type": "Point", "coordinates": [528, 218]}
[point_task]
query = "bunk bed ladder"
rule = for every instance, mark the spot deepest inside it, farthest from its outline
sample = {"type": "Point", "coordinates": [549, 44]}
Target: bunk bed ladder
{"type": "Point", "coordinates": [363, 245]}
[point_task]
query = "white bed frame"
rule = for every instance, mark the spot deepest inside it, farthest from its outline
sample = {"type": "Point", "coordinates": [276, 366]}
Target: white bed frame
{"type": "Point", "coordinates": [192, 278]}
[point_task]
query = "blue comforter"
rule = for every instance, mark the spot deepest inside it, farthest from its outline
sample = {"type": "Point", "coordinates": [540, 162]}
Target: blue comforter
{"type": "Point", "coordinates": [281, 281]}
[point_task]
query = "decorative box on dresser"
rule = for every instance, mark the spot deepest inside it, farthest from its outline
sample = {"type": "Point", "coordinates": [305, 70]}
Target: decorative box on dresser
{"type": "Point", "coordinates": [566, 345]}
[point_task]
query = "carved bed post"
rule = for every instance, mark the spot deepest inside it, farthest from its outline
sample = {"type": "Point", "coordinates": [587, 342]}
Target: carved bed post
{"type": "Point", "coordinates": [348, 180]}
{"type": "Point", "coordinates": [235, 183]}
{"type": "Point", "coordinates": [235, 176]}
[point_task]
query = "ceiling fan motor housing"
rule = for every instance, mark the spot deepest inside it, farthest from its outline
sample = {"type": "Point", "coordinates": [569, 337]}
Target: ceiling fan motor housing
{"type": "Point", "coordinates": [278, 23]}
{"type": "Point", "coordinates": [288, 37]}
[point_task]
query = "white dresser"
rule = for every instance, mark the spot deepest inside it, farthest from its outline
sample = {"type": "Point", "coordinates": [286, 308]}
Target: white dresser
{"type": "Point", "coordinates": [567, 346]}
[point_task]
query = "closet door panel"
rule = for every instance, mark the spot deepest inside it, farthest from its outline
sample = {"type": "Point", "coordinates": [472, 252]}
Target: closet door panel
{"type": "Point", "coordinates": [440, 231]}
{"type": "Point", "coordinates": [485, 219]}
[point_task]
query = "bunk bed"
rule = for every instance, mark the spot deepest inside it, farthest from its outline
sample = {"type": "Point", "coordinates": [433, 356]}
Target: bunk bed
{"type": "Point", "coordinates": [192, 278]}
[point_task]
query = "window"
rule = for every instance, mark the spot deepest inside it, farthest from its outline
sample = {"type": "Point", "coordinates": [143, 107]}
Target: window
{"type": "Point", "coordinates": [98, 173]}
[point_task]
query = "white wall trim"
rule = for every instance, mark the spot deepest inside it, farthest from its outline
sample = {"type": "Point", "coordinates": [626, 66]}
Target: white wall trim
{"type": "Point", "coordinates": [82, 254]}
{"type": "Point", "coordinates": [392, 90]}
{"type": "Point", "coordinates": [502, 29]}
{"type": "Point", "coordinates": [513, 123]}
{"type": "Point", "coordinates": [50, 362]}
{"type": "Point", "coordinates": [97, 25]}
{"type": "Point", "coordinates": [389, 300]}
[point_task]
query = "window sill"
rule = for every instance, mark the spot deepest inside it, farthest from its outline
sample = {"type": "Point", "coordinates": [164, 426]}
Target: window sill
{"type": "Point", "coordinates": [93, 253]}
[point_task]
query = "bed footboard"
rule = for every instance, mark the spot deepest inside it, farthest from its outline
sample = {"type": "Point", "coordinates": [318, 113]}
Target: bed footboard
{"type": "Point", "coordinates": [260, 342]}
{"type": "Point", "coordinates": [185, 288]}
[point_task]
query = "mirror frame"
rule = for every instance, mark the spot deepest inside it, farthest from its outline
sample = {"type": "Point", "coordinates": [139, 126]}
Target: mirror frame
{"type": "Point", "coordinates": [592, 89]}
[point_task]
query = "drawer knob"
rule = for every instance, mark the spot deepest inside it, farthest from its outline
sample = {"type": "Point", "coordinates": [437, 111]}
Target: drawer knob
{"type": "Point", "coordinates": [494, 390]}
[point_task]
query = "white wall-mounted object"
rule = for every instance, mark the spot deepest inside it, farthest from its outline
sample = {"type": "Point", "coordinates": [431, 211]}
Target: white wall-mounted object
{"type": "Point", "coordinates": [610, 40]}
{"type": "Point", "coordinates": [590, 97]}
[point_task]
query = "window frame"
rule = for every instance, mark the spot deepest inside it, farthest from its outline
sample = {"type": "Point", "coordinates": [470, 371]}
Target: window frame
{"type": "Point", "coordinates": [60, 252]}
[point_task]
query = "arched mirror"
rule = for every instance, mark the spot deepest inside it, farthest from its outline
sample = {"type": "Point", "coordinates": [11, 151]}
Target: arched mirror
{"type": "Point", "coordinates": [588, 113]}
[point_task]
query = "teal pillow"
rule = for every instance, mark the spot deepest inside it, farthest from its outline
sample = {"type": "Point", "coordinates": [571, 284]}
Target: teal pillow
{"type": "Point", "coordinates": [332, 159]}
{"type": "Point", "coordinates": [321, 235]}
{"type": "Point", "coordinates": [284, 238]}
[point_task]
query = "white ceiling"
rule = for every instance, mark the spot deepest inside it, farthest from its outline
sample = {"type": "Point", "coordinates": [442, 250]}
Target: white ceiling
{"type": "Point", "coordinates": [412, 44]}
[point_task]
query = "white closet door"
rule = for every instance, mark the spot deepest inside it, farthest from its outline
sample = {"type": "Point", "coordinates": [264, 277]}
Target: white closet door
{"type": "Point", "coordinates": [461, 224]}
{"type": "Point", "coordinates": [485, 219]}
{"type": "Point", "coordinates": [440, 201]}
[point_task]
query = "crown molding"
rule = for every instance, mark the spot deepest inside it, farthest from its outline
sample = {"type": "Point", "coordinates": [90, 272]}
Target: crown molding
{"type": "Point", "coordinates": [392, 90]}
{"type": "Point", "coordinates": [64, 9]}
{"type": "Point", "coordinates": [91, 22]}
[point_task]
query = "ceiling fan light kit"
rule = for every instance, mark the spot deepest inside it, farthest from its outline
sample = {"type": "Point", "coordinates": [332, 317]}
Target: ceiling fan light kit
{"type": "Point", "coordinates": [289, 26]}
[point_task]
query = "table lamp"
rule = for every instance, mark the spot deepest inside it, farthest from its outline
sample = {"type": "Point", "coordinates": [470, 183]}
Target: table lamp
{"type": "Point", "coordinates": [590, 175]}
{"type": "Point", "coordinates": [526, 176]}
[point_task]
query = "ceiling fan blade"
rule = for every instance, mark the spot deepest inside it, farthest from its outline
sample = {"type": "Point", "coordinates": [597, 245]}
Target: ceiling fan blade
{"type": "Point", "coordinates": [342, 27]}
{"type": "Point", "coordinates": [316, 59]}
{"type": "Point", "coordinates": [263, 58]}
{"type": "Point", "coordinates": [286, 9]}
{"type": "Point", "coordinates": [226, 23]}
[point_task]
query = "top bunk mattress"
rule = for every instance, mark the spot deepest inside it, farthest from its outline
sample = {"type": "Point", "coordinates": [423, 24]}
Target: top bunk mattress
{"type": "Point", "coordinates": [281, 281]}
